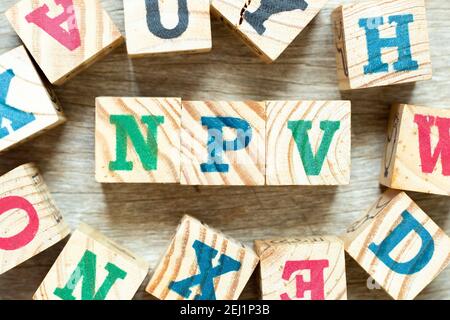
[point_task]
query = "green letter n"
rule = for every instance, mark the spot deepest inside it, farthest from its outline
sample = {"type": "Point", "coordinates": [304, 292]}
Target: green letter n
{"type": "Point", "coordinates": [313, 164]}
{"type": "Point", "coordinates": [86, 271]}
{"type": "Point", "coordinates": [147, 149]}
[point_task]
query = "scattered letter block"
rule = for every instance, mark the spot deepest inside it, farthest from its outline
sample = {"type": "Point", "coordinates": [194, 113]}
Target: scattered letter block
{"type": "Point", "coordinates": [29, 219]}
{"type": "Point", "coordinates": [223, 143]}
{"type": "Point", "coordinates": [92, 267]}
{"type": "Point", "coordinates": [64, 36]}
{"type": "Point", "coordinates": [138, 139]}
{"type": "Point", "coordinates": [27, 108]}
{"type": "Point", "coordinates": [267, 26]}
{"type": "Point", "coordinates": [308, 142]}
{"type": "Point", "coordinates": [381, 43]}
{"type": "Point", "coordinates": [398, 245]}
{"type": "Point", "coordinates": [302, 269]}
{"type": "Point", "coordinates": [160, 26]}
{"type": "Point", "coordinates": [202, 264]}
{"type": "Point", "coordinates": [417, 156]}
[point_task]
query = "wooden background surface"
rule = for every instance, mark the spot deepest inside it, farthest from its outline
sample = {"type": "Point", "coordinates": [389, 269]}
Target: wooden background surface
{"type": "Point", "coordinates": [144, 217]}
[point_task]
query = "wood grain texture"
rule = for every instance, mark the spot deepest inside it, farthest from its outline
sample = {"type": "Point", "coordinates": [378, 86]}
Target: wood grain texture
{"type": "Point", "coordinates": [351, 43]}
{"type": "Point", "coordinates": [275, 254]}
{"type": "Point", "coordinates": [277, 32]}
{"type": "Point", "coordinates": [26, 182]}
{"type": "Point", "coordinates": [106, 252]}
{"type": "Point", "coordinates": [27, 93]}
{"type": "Point", "coordinates": [167, 139]}
{"type": "Point", "coordinates": [145, 216]}
{"type": "Point", "coordinates": [379, 221]}
{"type": "Point", "coordinates": [246, 165]}
{"type": "Point", "coordinates": [180, 261]}
{"type": "Point", "coordinates": [403, 167]}
{"type": "Point", "coordinates": [284, 165]}
{"type": "Point", "coordinates": [98, 36]}
{"type": "Point", "coordinates": [142, 42]}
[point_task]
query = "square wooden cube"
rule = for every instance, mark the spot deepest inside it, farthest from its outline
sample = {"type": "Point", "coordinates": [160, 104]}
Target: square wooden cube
{"type": "Point", "coordinates": [417, 155]}
{"type": "Point", "coordinates": [137, 140]}
{"type": "Point", "coordinates": [64, 36]}
{"type": "Point", "coordinates": [92, 267]}
{"type": "Point", "coordinates": [202, 264]}
{"type": "Point", "coordinates": [398, 245]}
{"type": "Point", "coordinates": [223, 143]}
{"type": "Point", "coordinates": [381, 43]}
{"type": "Point", "coordinates": [29, 220]}
{"type": "Point", "coordinates": [308, 142]}
{"type": "Point", "coordinates": [156, 27]}
{"type": "Point", "coordinates": [267, 26]}
{"type": "Point", "coordinates": [311, 268]}
{"type": "Point", "coordinates": [27, 107]}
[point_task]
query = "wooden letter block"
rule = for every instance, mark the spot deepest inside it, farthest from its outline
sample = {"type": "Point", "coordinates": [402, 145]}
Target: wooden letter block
{"type": "Point", "coordinates": [381, 43]}
{"type": "Point", "coordinates": [223, 143]}
{"type": "Point", "coordinates": [92, 267]}
{"type": "Point", "coordinates": [29, 219]}
{"type": "Point", "coordinates": [138, 139]}
{"type": "Point", "coordinates": [398, 245]}
{"type": "Point", "coordinates": [267, 26]}
{"type": "Point", "coordinates": [27, 108]}
{"type": "Point", "coordinates": [417, 156]}
{"type": "Point", "coordinates": [64, 36]}
{"type": "Point", "coordinates": [310, 268]}
{"type": "Point", "coordinates": [202, 264]}
{"type": "Point", "coordinates": [167, 26]}
{"type": "Point", "coordinates": [308, 142]}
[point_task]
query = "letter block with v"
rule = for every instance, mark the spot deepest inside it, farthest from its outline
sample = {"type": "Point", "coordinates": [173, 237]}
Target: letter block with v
{"type": "Point", "coordinates": [417, 155]}
{"type": "Point", "coordinates": [25, 197]}
{"type": "Point", "coordinates": [64, 36]}
{"type": "Point", "coordinates": [223, 266]}
{"type": "Point", "coordinates": [137, 139]}
{"type": "Point", "coordinates": [155, 27]}
{"type": "Point", "coordinates": [267, 26]}
{"type": "Point", "coordinates": [308, 142]}
{"type": "Point", "coordinates": [92, 267]}
{"type": "Point", "coordinates": [381, 42]}
{"type": "Point", "coordinates": [397, 243]}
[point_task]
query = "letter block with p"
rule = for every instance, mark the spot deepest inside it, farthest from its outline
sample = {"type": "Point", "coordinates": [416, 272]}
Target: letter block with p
{"type": "Point", "coordinates": [223, 143]}
{"type": "Point", "coordinates": [92, 267]}
{"type": "Point", "coordinates": [398, 245]}
{"type": "Point", "coordinates": [267, 26]}
{"type": "Point", "coordinates": [137, 140]}
{"type": "Point", "coordinates": [417, 154]}
{"type": "Point", "coordinates": [310, 268]}
{"type": "Point", "coordinates": [202, 264]}
{"type": "Point", "coordinates": [29, 220]}
{"type": "Point", "coordinates": [64, 36]}
{"type": "Point", "coordinates": [380, 43]}
{"type": "Point", "coordinates": [155, 27]}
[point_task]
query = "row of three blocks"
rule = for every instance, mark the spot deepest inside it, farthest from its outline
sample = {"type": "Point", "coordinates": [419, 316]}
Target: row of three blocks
{"type": "Point", "coordinates": [394, 241]}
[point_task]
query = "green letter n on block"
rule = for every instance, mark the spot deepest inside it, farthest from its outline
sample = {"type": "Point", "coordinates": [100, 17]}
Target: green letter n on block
{"type": "Point", "coordinates": [313, 163]}
{"type": "Point", "coordinates": [86, 272]}
{"type": "Point", "coordinates": [146, 149]}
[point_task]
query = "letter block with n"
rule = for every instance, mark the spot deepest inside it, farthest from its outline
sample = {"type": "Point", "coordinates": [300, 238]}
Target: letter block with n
{"type": "Point", "coordinates": [267, 26]}
{"type": "Point", "coordinates": [381, 43]}
{"type": "Point", "coordinates": [202, 264]}
{"type": "Point", "coordinates": [398, 245]}
{"type": "Point", "coordinates": [92, 267]}
{"type": "Point", "coordinates": [30, 222]}
{"type": "Point", "coordinates": [137, 140]}
{"type": "Point", "coordinates": [417, 154]}
{"type": "Point", "coordinates": [308, 142]}
{"type": "Point", "coordinates": [64, 36]}
{"type": "Point", "coordinates": [309, 268]}
{"type": "Point", "coordinates": [155, 27]}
